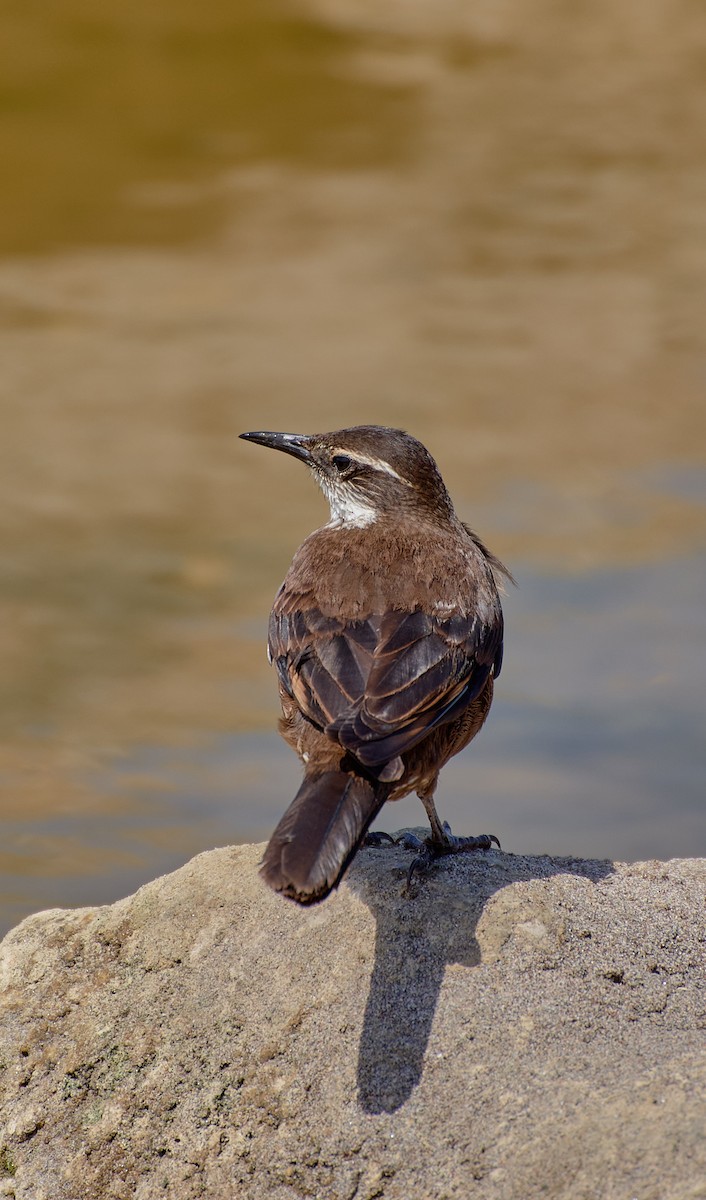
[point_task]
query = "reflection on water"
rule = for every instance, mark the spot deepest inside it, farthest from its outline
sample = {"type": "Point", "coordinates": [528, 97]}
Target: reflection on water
{"type": "Point", "coordinates": [487, 227]}
{"type": "Point", "coordinates": [119, 117]}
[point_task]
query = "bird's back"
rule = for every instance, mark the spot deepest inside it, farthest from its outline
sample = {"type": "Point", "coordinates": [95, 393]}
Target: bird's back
{"type": "Point", "coordinates": [375, 658]}
{"type": "Point", "coordinates": [402, 564]}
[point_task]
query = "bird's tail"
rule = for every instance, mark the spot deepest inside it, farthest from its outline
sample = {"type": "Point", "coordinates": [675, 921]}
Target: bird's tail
{"type": "Point", "coordinates": [320, 833]}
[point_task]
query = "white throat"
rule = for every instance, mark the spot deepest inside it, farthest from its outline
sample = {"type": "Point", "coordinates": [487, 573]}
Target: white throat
{"type": "Point", "coordinates": [347, 509]}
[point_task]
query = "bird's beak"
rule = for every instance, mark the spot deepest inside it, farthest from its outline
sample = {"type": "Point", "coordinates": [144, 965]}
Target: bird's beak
{"type": "Point", "coordinates": [291, 443]}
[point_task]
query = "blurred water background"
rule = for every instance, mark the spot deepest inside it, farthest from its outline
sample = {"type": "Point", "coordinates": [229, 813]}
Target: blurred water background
{"type": "Point", "coordinates": [485, 223]}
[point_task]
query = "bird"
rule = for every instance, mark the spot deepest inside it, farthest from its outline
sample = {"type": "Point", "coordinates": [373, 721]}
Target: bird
{"type": "Point", "coordinates": [387, 637]}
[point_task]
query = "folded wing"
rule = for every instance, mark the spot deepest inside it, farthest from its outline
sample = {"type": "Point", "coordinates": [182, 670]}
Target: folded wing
{"type": "Point", "coordinates": [381, 684]}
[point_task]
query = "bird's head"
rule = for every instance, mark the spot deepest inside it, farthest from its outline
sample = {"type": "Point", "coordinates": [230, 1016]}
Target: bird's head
{"type": "Point", "coordinates": [367, 472]}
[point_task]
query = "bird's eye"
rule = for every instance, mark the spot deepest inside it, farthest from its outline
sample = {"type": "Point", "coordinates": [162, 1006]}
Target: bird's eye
{"type": "Point", "coordinates": [341, 462]}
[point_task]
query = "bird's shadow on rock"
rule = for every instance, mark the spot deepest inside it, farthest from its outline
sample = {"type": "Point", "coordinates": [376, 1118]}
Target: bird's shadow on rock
{"type": "Point", "coordinates": [417, 935]}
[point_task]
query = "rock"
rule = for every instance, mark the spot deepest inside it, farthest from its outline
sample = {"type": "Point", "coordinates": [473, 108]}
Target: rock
{"type": "Point", "coordinates": [519, 1027]}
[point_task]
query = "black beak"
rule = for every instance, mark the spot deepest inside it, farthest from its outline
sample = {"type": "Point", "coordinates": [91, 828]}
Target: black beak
{"type": "Point", "coordinates": [291, 443]}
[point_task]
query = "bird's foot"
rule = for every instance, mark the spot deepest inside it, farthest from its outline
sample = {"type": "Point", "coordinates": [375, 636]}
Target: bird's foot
{"type": "Point", "coordinates": [429, 849]}
{"type": "Point", "coordinates": [433, 848]}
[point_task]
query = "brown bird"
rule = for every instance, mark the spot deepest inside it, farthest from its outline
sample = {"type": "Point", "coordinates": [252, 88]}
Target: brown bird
{"type": "Point", "coordinates": [387, 635]}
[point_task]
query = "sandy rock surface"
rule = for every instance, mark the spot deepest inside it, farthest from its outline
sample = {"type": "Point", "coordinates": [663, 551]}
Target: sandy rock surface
{"type": "Point", "coordinates": [520, 1027]}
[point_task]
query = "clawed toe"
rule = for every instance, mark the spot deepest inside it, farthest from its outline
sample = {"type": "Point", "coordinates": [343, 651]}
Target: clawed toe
{"type": "Point", "coordinates": [406, 838]}
{"type": "Point", "coordinates": [377, 838]}
{"type": "Point", "coordinates": [418, 866]}
{"type": "Point", "coordinates": [461, 845]}
{"type": "Point", "coordinates": [448, 843]}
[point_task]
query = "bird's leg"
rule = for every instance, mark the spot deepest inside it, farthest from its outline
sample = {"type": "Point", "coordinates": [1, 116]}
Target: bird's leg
{"type": "Point", "coordinates": [442, 841]}
{"type": "Point", "coordinates": [438, 832]}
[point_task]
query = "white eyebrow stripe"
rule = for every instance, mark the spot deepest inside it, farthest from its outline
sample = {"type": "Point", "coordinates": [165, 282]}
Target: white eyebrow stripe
{"type": "Point", "coordinates": [378, 464]}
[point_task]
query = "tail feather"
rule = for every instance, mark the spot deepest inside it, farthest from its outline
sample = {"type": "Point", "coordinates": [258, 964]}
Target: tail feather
{"type": "Point", "coordinates": [319, 834]}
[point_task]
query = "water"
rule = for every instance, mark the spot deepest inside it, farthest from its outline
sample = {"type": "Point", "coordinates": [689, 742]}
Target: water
{"type": "Point", "coordinates": [488, 228]}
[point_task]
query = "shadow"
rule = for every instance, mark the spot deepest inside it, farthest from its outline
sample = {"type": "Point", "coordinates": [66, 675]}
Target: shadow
{"type": "Point", "coordinates": [416, 937]}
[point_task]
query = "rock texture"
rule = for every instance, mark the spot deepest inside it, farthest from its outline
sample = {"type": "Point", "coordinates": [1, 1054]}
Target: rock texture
{"type": "Point", "coordinates": [519, 1028]}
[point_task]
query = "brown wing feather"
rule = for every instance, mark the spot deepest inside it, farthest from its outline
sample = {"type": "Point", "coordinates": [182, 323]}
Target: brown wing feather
{"type": "Point", "coordinates": [379, 685]}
